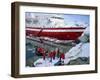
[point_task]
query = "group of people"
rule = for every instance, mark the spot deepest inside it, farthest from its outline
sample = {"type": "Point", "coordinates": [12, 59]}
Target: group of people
{"type": "Point", "coordinates": [52, 55]}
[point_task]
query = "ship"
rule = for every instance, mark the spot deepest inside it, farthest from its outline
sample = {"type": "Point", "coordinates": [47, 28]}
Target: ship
{"type": "Point", "coordinates": [53, 28]}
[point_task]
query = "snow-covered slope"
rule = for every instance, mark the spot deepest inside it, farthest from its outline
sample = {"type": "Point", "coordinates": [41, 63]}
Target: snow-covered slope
{"type": "Point", "coordinates": [80, 50]}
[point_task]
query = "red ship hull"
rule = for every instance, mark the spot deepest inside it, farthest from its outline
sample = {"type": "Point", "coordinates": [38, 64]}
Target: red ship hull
{"type": "Point", "coordinates": [58, 33]}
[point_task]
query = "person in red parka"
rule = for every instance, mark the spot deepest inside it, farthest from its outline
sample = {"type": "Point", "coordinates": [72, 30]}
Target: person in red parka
{"type": "Point", "coordinates": [43, 55]}
{"type": "Point", "coordinates": [42, 52]}
{"type": "Point", "coordinates": [62, 57]}
{"type": "Point", "coordinates": [54, 54]}
{"type": "Point", "coordinates": [51, 56]}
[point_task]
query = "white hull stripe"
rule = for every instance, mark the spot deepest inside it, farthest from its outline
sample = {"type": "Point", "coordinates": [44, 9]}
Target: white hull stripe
{"type": "Point", "coordinates": [62, 30]}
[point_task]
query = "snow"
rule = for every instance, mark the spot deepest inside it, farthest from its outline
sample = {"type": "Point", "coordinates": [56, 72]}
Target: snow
{"type": "Point", "coordinates": [80, 50]}
{"type": "Point", "coordinates": [85, 50]}
{"type": "Point", "coordinates": [45, 63]}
